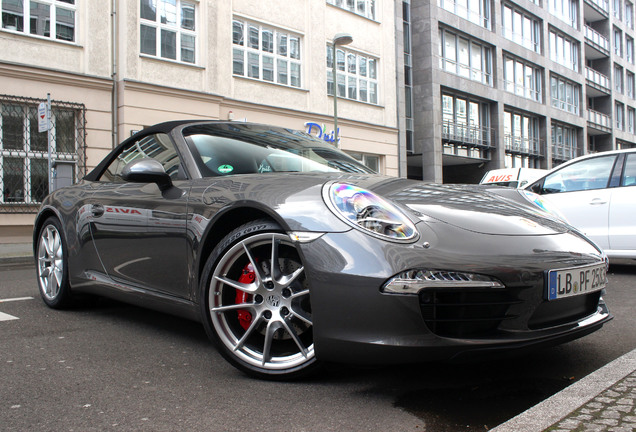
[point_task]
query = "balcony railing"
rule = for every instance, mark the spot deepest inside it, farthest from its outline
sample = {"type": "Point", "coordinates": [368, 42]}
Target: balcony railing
{"type": "Point", "coordinates": [597, 79]}
{"type": "Point", "coordinates": [599, 120]}
{"type": "Point", "coordinates": [600, 4]}
{"type": "Point", "coordinates": [476, 136]}
{"type": "Point", "coordinates": [597, 39]}
{"type": "Point", "coordinates": [525, 146]}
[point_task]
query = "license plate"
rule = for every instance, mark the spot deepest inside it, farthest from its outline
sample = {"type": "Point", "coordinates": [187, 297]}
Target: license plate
{"type": "Point", "coordinates": [576, 281]}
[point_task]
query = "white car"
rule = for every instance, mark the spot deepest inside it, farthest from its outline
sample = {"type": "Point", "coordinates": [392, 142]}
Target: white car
{"type": "Point", "coordinates": [597, 194]}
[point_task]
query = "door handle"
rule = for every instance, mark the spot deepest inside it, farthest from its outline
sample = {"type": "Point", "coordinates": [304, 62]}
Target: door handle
{"type": "Point", "coordinates": [598, 201]}
{"type": "Point", "coordinates": [97, 210]}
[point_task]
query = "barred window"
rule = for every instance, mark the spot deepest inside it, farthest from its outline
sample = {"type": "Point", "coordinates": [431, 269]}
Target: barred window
{"type": "Point", "coordinates": [365, 8]}
{"type": "Point", "coordinates": [521, 138]}
{"type": "Point", "coordinates": [522, 78]}
{"type": "Point", "coordinates": [357, 75]}
{"type": "Point", "coordinates": [266, 53]}
{"type": "Point", "coordinates": [167, 29]}
{"type": "Point", "coordinates": [24, 150]}
{"type": "Point", "coordinates": [565, 95]}
{"type": "Point", "coordinates": [565, 144]}
{"type": "Point", "coordinates": [37, 17]}
{"type": "Point", "coordinates": [465, 57]}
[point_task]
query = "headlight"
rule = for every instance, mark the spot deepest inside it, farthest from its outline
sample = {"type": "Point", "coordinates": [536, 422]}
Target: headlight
{"type": "Point", "coordinates": [413, 281]}
{"type": "Point", "coordinates": [369, 212]}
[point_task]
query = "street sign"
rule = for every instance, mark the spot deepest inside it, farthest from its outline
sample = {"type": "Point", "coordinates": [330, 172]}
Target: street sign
{"type": "Point", "coordinates": [43, 121]}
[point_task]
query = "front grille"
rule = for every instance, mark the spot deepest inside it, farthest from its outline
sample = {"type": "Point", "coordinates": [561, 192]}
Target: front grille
{"type": "Point", "coordinates": [562, 311]}
{"type": "Point", "coordinates": [467, 313]}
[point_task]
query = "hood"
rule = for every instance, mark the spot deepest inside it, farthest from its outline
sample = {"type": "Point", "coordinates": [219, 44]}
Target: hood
{"type": "Point", "coordinates": [472, 208]}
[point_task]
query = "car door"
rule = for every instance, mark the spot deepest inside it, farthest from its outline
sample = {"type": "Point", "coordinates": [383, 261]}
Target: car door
{"type": "Point", "coordinates": [622, 219]}
{"type": "Point", "coordinates": [580, 191]}
{"type": "Point", "coordinates": [139, 231]}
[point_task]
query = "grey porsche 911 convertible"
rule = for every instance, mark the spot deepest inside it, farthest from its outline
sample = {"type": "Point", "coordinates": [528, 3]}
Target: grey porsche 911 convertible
{"type": "Point", "coordinates": [293, 254]}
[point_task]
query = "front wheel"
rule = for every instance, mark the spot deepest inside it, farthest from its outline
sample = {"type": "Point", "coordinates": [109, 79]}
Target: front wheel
{"type": "Point", "coordinates": [257, 310]}
{"type": "Point", "coordinates": [52, 266]}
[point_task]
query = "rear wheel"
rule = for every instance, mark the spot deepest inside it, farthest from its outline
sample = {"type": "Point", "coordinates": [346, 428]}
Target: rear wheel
{"type": "Point", "coordinates": [256, 303]}
{"type": "Point", "coordinates": [52, 270]}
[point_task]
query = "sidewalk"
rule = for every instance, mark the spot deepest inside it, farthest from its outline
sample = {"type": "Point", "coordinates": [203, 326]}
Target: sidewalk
{"type": "Point", "coordinates": [605, 400]}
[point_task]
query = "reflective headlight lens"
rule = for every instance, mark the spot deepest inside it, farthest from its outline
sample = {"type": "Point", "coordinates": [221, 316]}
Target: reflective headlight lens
{"type": "Point", "coordinates": [413, 281]}
{"type": "Point", "coordinates": [369, 212]}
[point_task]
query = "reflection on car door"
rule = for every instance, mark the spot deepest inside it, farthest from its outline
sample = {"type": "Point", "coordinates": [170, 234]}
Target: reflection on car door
{"type": "Point", "coordinates": [140, 234]}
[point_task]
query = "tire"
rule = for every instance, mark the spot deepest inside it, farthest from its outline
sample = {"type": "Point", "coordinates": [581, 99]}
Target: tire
{"type": "Point", "coordinates": [259, 315]}
{"type": "Point", "coordinates": [52, 265]}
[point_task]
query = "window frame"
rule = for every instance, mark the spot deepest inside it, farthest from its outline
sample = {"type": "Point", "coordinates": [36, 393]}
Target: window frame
{"type": "Point", "coordinates": [510, 32]}
{"type": "Point", "coordinates": [484, 73]}
{"type": "Point", "coordinates": [161, 30]}
{"type": "Point", "coordinates": [253, 50]}
{"type": "Point", "coordinates": [560, 99]}
{"type": "Point", "coordinates": [352, 71]}
{"type": "Point", "coordinates": [519, 85]}
{"type": "Point", "coordinates": [355, 6]}
{"type": "Point", "coordinates": [55, 6]}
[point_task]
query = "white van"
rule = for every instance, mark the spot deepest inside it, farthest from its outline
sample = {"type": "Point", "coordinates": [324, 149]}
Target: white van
{"type": "Point", "coordinates": [512, 177]}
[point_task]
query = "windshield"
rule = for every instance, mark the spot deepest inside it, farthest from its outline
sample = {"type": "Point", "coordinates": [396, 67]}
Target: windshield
{"type": "Point", "coordinates": [224, 149]}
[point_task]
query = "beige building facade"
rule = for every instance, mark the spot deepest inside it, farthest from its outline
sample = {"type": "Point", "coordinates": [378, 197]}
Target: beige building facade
{"type": "Point", "coordinates": [114, 67]}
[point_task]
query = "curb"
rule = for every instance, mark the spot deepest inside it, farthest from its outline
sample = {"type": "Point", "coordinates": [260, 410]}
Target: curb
{"type": "Point", "coordinates": [557, 407]}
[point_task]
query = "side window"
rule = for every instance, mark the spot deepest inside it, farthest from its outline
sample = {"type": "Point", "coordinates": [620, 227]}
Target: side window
{"type": "Point", "coordinates": [629, 173]}
{"type": "Point", "coordinates": [157, 146]}
{"type": "Point", "coordinates": [585, 175]}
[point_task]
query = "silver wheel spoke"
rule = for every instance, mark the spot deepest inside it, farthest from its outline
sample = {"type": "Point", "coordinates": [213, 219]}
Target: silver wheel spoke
{"type": "Point", "coordinates": [248, 332]}
{"type": "Point", "coordinates": [269, 338]}
{"type": "Point", "coordinates": [257, 270]}
{"type": "Point", "coordinates": [294, 336]}
{"type": "Point", "coordinates": [250, 289]}
{"type": "Point", "coordinates": [274, 267]}
{"type": "Point", "coordinates": [289, 279]}
{"type": "Point", "coordinates": [232, 307]}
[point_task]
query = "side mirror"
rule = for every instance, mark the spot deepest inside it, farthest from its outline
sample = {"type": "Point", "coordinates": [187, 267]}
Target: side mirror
{"type": "Point", "coordinates": [147, 170]}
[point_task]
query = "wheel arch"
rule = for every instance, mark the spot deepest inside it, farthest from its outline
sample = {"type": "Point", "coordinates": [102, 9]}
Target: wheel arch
{"type": "Point", "coordinates": [42, 216]}
{"type": "Point", "coordinates": [223, 224]}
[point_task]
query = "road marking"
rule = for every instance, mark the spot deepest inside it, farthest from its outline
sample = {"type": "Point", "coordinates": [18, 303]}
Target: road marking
{"type": "Point", "coordinates": [15, 299]}
{"type": "Point", "coordinates": [7, 317]}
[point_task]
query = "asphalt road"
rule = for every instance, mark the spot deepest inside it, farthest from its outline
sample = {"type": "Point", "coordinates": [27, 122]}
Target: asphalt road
{"type": "Point", "coordinates": [109, 366]}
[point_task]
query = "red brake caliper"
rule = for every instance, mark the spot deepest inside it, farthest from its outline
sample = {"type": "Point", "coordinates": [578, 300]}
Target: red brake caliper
{"type": "Point", "coordinates": [247, 277]}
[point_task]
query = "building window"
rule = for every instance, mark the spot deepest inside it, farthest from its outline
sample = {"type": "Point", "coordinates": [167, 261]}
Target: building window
{"type": "Point", "coordinates": [36, 18]}
{"type": "Point", "coordinates": [565, 95]}
{"type": "Point", "coordinates": [618, 79]}
{"type": "Point", "coordinates": [521, 28]}
{"type": "Point", "coordinates": [629, 15]}
{"type": "Point", "coordinates": [266, 54]}
{"type": "Point", "coordinates": [369, 160]}
{"type": "Point", "coordinates": [167, 29]}
{"type": "Point", "coordinates": [408, 76]}
{"type": "Point", "coordinates": [475, 11]}
{"type": "Point", "coordinates": [365, 8]}
{"type": "Point", "coordinates": [357, 75]}
{"type": "Point", "coordinates": [629, 49]}
{"type": "Point", "coordinates": [616, 9]}
{"type": "Point", "coordinates": [465, 127]}
{"type": "Point", "coordinates": [465, 57]}
{"type": "Point", "coordinates": [565, 10]}
{"type": "Point", "coordinates": [564, 143]}
{"type": "Point", "coordinates": [522, 79]}
{"type": "Point", "coordinates": [618, 39]}
{"type": "Point", "coordinates": [631, 118]}
{"type": "Point", "coordinates": [521, 139]}
{"type": "Point", "coordinates": [629, 84]}
{"type": "Point", "coordinates": [564, 51]}
{"type": "Point", "coordinates": [619, 114]}
{"type": "Point", "coordinates": [24, 151]}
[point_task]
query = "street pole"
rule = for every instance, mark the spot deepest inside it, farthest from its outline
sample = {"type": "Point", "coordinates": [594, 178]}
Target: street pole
{"type": "Point", "coordinates": [48, 138]}
{"type": "Point", "coordinates": [339, 39]}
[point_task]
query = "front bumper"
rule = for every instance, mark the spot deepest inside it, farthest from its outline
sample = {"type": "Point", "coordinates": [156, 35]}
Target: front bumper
{"type": "Point", "coordinates": [354, 322]}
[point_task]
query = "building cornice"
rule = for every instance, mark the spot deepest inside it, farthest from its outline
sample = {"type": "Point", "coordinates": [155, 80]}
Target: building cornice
{"type": "Point", "coordinates": [51, 76]}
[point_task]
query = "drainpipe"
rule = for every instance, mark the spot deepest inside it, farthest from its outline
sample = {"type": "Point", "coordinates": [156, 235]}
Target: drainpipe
{"type": "Point", "coordinates": [114, 96]}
